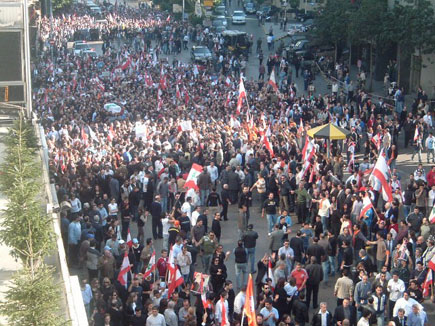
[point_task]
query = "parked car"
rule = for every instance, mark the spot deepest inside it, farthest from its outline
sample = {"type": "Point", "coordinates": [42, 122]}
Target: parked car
{"type": "Point", "coordinates": [303, 16]}
{"type": "Point", "coordinates": [80, 46]}
{"type": "Point", "coordinates": [308, 24]}
{"type": "Point", "coordinates": [200, 54]}
{"type": "Point", "coordinates": [250, 8]}
{"type": "Point", "coordinates": [294, 39]}
{"type": "Point", "coordinates": [294, 28]}
{"type": "Point", "coordinates": [239, 17]}
{"type": "Point", "coordinates": [220, 11]}
{"type": "Point", "coordinates": [267, 12]}
{"type": "Point", "coordinates": [219, 24]}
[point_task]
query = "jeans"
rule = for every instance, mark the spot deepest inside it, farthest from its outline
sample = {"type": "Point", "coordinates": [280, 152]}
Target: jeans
{"type": "Point", "coordinates": [380, 320]}
{"type": "Point", "coordinates": [271, 220]}
{"type": "Point", "coordinates": [431, 152]}
{"type": "Point", "coordinates": [203, 195]}
{"type": "Point", "coordinates": [417, 151]}
{"type": "Point", "coordinates": [164, 203]}
{"type": "Point", "coordinates": [325, 268]}
{"type": "Point", "coordinates": [251, 258]}
{"type": "Point", "coordinates": [406, 210]}
{"type": "Point", "coordinates": [379, 264]}
{"type": "Point", "coordinates": [206, 262]}
{"type": "Point", "coordinates": [241, 274]}
{"type": "Point", "coordinates": [166, 241]}
{"type": "Point", "coordinates": [325, 222]}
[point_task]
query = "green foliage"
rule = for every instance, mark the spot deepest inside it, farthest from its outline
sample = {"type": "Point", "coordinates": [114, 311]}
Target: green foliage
{"type": "Point", "coordinates": [32, 299]}
{"type": "Point", "coordinates": [333, 24]}
{"type": "Point", "coordinates": [413, 27]}
{"type": "Point", "coordinates": [294, 4]}
{"type": "Point", "coordinates": [25, 226]}
{"type": "Point", "coordinates": [60, 4]}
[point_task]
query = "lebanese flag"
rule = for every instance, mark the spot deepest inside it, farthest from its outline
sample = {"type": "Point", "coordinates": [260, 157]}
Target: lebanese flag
{"type": "Point", "coordinates": [351, 149]}
{"type": "Point", "coordinates": [249, 307]}
{"type": "Point", "coordinates": [177, 93]}
{"type": "Point", "coordinates": [428, 282]}
{"type": "Point", "coordinates": [301, 127]}
{"type": "Point", "coordinates": [228, 81]}
{"type": "Point", "coordinates": [151, 265]}
{"type": "Point", "coordinates": [305, 167]}
{"type": "Point", "coordinates": [186, 97]}
{"type": "Point", "coordinates": [129, 240]}
{"type": "Point", "coordinates": [308, 150]}
{"type": "Point", "coordinates": [148, 80]}
{"type": "Point", "coordinates": [162, 79]}
{"type": "Point", "coordinates": [227, 102]}
{"type": "Point", "coordinates": [381, 178]}
{"type": "Point", "coordinates": [270, 274]}
{"type": "Point", "coordinates": [242, 94]}
{"type": "Point", "coordinates": [125, 65]}
{"type": "Point", "coordinates": [377, 141]}
{"type": "Point", "coordinates": [416, 134]}
{"type": "Point", "coordinates": [431, 263]}
{"type": "Point", "coordinates": [84, 135]}
{"type": "Point", "coordinates": [267, 144]}
{"type": "Point", "coordinates": [272, 81]}
{"type": "Point", "coordinates": [367, 204]}
{"type": "Point", "coordinates": [174, 278]}
{"type": "Point", "coordinates": [168, 19]}
{"type": "Point", "coordinates": [314, 169]}
{"type": "Point", "coordinates": [201, 290]}
{"type": "Point", "coordinates": [191, 181]}
{"type": "Point", "coordinates": [432, 216]}
{"type": "Point", "coordinates": [125, 268]}
{"type": "Point", "coordinates": [110, 134]}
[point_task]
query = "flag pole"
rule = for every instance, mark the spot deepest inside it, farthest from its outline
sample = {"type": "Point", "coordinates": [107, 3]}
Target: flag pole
{"type": "Point", "coordinates": [243, 316]}
{"type": "Point", "coordinates": [432, 285]}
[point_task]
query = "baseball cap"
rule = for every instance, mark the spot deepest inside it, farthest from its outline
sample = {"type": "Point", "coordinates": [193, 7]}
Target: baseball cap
{"type": "Point", "coordinates": [121, 242]}
{"type": "Point", "coordinates": [135, 241]}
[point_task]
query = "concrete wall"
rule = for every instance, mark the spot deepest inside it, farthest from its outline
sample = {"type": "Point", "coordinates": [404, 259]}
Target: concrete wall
{"type": "Point", "coordinates": [427, 75]}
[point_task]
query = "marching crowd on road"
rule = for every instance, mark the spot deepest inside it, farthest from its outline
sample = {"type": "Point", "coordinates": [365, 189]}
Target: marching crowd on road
{"type": "Point", "coordinates": [135, 140]}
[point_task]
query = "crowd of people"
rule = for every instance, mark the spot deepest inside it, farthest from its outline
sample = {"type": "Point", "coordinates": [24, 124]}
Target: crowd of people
{"type": "Point", "coordinates": [119, 173]}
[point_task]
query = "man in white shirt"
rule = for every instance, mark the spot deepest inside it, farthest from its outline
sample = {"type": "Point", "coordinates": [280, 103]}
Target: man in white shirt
{"type": "Point", "coordinates": [221, 309]}
{"type": "Point", "coordinates": [406, 304]}
{"type": "Point", "coordinates": [396, 288]}
{"type": "Point", "coordinates": [213, 171]}
{"type": "Point", "coordinates": [156, 319]}
{"type": "Point", "coordinates": [187, 207]}
{"type": "Point", "coordinates": [239, 301]}
{"type": "Point", "coordinates": [289, 255]}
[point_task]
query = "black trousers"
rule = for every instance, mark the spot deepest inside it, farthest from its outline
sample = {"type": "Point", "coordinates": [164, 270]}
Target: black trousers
{"type": "Point", "coordinates": [314, 289]}
{"type": "Point", "coordinates": [157, 228]}
{"type": "Point", "coordinates": [301, 212]}
{"type": "Point", "coordinates": [224, 213]}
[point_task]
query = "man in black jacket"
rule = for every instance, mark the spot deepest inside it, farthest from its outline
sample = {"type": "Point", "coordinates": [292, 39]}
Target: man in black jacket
{"type": "Point", "coordinates": [345, 311]}
{"type": "Point", "coordinates": [317, 317]}
{"type": "Point", "coordinates": [156, 212]}
{"type": "Point", "coordinates": [250, 241]}
{"type": "Point", "coordinates": [297, 244]}
{"type": "Point", "coordinates": [300, 311]}
{"type": "Point", "coordinates": [315, 276]}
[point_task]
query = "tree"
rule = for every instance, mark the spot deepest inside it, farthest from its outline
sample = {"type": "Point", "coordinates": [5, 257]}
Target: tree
{"type": "Point", "coordinates": [294, 4]}
{"type": "Point", "coordinates": [60, 4]}
{"type": "Point", "coordinates": [33, 297]}
{"type": "Point", "coordinates": [367, 26]}
{"type": "Point", "coordinates": [332, 24]}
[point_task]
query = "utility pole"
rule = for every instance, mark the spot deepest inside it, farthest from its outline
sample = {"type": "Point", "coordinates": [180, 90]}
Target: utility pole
{"type": "Point", "coordinates": [28, 76]}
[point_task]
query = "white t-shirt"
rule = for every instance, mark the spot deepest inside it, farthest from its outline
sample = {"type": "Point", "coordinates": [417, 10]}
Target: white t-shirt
{"type": "Point", "coordinates": [113, 209]}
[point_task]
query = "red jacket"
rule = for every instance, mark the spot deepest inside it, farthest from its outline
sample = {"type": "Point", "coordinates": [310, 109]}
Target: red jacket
{"type": "Point", "coordinates": [431, 178]}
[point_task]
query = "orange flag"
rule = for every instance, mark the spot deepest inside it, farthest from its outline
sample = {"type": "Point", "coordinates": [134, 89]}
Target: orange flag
{"type": "Point", "coordinates": [224, 313]}
{"type": "Point", "coordinates": [249, 303]}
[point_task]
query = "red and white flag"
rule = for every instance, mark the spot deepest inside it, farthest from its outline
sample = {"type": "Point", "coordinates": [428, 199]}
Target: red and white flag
{"type": "Point", "coordinates": [125, 64]}
{"type": "Point", "coordinates": [428, 282]}
{"type": "Point", "coordinates": [351, 164]}
{"type": "Point", "coordinates": [272, 81]}
{"type": "Point", "coordinates": [308, 150]}
{"type": "Point", "coordinates": [174, 279]}
{"type": "Point", "coordinates": [177, 92]}
{"type": "Point", "coordinates": [305, 168]}
{"type": "Point", "coordinates": [431, 263]}
{"type": "Point", "coordinates": [84, 135]}
{"type": "Point", "coordinates": [270, 274]}
{"type": "Point", "coordinates": [432, 215]}
{"type": "Point", "coordinates": [192, 178]}
{"type": "Point", "coordinates": [376, 139]}
{"type": "Point", "coordinates": [227, 101]}
{"type": "Point", "coordinates": [416, 133]}
{"type": "Point", "coordinates": [162, 79]}
{"type": "Point", "coordinates": [267, 144]}
{"type": "Point", "coordinates": [242, 94]}
{"type": "Point", "coordinates": [151, 265]}
{"type": "Point", "coordinates": [228, 82]}
{"type": "Point", "coordinates": [380, 178]}
{"type": "Point", "coordinates": [301, 127]}
{"type": "Point", "coordinates": [129, 240]}
{"type": "Point", "coordinates": [110, 134]}
{"type": "Point", "coordinates": [367, 204]}
{"type": "Point", "coordinates": [125, 268]}
{"type": "Point", "coordinates": [224, 321]}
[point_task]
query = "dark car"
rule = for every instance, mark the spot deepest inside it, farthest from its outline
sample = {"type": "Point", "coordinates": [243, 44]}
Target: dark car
{"type": "Point", "coordinates": [200, 54]}
{"type": "Point", "coordinates": [219, 24]}
{"type": "Point", "coordinates": [220, 11]}
{"type": "Point", "coordinates": [302, 16]}
{"type": "Point", "coordinates": [250, 8]}
{"type": "Point", "coordinates": [267, 11]}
